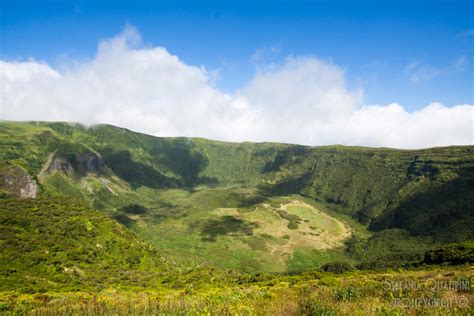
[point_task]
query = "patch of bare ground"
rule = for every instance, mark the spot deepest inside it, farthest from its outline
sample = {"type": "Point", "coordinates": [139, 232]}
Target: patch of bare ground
{"type": "Point", "coordinates": [316, 229]}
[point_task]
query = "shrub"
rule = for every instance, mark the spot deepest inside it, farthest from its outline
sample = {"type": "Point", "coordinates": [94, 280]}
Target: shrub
{"type": "Point", "coordinates": [134, 209]}
{"type": "Point", "coordinates": [4, 306]}
{"type": "Point", "coordinates": [4, 194]}
{"type": "Point", "coordinates": [348, 294]}
{"type": "Point", "coordinates": [309, 305]}
{"type": "Point", "coordinates": [293, 225]}
{"type": "Point", "coordinates": [337, 267]}
{"type": "Point", "coordinates": [453, 254]}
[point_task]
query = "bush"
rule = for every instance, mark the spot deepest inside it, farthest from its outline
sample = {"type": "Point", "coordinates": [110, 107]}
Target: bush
{"type": "Point", "coordinates": [349, 294]}
{"type": "Point", "coordinates": [4, 194]}
{"type": "Point", "coordinates": [453, 254]}
{"type": "Point", "coordinates": [310, 305]}
{"type": "Point", "coordinates": [134, 209]}
{"type": "Point", "coordinates": [293, 225]}
{"type": "Point", "coordinates": [337, 267]}
{"type": "Point", "coordinates": [4, 306]}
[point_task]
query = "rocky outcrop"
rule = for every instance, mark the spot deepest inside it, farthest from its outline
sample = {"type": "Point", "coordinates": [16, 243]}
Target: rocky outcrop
{"type": "Point", "coordinates": [74, 164]}
{"type": "Point", "coordinates": [60, 164]}
{"type": "Point", "coordinates": [17, 182]}
{"type": "Point", "coordinates": [90, 162]}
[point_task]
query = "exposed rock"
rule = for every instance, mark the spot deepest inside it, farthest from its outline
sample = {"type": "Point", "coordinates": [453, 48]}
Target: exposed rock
{"type": "Point", "coordinates": [90, 162]}
{"type": "Point", "coordinates": [60, 164]}
{"type": "Point", "coordinates": [79, 164]}
{"type": "Point", "coordinates": [18, 182]}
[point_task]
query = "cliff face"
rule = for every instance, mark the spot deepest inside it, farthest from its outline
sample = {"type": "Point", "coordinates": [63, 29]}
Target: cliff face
{"type": "Point", "coordinates": [17, 182]}
{"type": "Point", "coordinates": [74, 164]}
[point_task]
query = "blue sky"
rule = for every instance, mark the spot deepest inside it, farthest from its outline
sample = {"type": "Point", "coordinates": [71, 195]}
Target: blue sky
{"type": "Point", "coordinates": [410, 52]}
{"type": "Point", "coordinates": [371, 73]}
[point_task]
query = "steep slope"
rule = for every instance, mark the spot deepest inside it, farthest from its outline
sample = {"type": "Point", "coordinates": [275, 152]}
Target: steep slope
{"type": "Point", "coordinates": [363, 182]}
{"type": "Point", "coordinates": [151, 184]}
{"type": "Point", "coordinates": [16, 181]}
{"type": "Point", "coordinates": [369, 183]}
{"type": "Point", "coordinates": [51, 243]}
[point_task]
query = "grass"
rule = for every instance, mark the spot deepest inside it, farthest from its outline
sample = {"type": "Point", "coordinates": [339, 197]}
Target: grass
{"type": "Point", "coordinates": [193, 226]}
{"type": "Point", "coordinates": [185, 183]}
{"type": "Point", "coordinates": [315, 293]}
{"type": "Point", "coordinates": [372, 186]}
{"type": "Point", "coordinates": [201, 226]}
{"type": "Point", "coordinates": [51, 243]}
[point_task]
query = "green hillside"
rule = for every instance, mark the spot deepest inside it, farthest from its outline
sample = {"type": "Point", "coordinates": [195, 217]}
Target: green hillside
{"type": "Point", "coordinates": [103, 220]}
{"type": "Point", "coordinates": [198, 201]}
{"type": "Point", "coordinates": [51, 244]}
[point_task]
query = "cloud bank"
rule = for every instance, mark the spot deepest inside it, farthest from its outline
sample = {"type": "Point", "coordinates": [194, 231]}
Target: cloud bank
{"type": "Point", "coordinates": [302, 100]}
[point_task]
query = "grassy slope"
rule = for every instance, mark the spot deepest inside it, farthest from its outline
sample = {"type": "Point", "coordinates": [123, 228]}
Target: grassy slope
{"type": "Point", "coordinates": [181, 181]}
{"type": "Point", "coordinates": [55, 243]}
{"type": "Point", "coordinates": [364, 182]}
{"type": "Point", "coordinates": [50, 244]}
{"type": "Point", "coordinates": [313, 293]}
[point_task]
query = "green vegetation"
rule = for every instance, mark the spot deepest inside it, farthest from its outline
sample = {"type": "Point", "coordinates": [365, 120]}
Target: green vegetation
{"type": "Point", "coordinates": [311, 293]}
{"type": "Point", "coordinates": [129, 223]}
{"type": "Point", "coordinates": [451, 254]}
{"type": "Point", "coordinates": [337, 267]}
{"type": "Point", "coordinates": [151, 184]}
{"type": "Point", "coordinates": [51, 244]}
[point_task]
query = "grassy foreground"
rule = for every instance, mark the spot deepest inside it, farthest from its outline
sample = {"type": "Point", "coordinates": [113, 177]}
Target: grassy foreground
{"type": "Point", "coordinates": [433, 291]}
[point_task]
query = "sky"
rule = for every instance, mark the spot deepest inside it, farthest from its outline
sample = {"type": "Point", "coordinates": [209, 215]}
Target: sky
{"type": "Point", "coordinates": [372, 73]}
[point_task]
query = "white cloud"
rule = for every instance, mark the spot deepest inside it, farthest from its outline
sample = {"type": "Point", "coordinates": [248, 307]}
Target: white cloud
{"type": "Point", "coordinates": [393, 126]}
{"type": "Point", "coordinates": [145, 89]}
{"type": "Point", "coordinates": [418, 72]}
{"type": "Point", "coordinates": [264, 54]}
{"type": "Point", "coordinates": [302, 84]}
{"type": "Point", "coordinates": [304, 100]}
